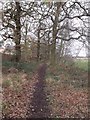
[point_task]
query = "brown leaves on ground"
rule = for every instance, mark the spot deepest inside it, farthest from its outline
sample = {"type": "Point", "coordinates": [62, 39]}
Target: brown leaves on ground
{"type": "Point", "coordinates": [68, 92]}
{"type": "Point", "coordinates": [64, 100]}
{"type": "Point", "coordinates": [17, 95]}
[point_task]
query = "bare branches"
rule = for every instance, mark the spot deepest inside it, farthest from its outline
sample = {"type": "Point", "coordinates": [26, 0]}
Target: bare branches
{"type": "Point", "coordinates": [48, 21]}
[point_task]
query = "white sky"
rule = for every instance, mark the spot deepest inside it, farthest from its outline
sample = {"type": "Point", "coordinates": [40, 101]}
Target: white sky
{"type": "Point", "coordinates": [74, 49]}
{"type": "Point", "coordinates": [82, 52]}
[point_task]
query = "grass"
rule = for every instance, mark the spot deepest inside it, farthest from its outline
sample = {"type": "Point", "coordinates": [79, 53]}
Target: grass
{"type": "Point", "coordinates": [55, 90]}
{"type": "Point", "coordinates": [82, 64]}
{"type": "Point", "coordinates": [14, 80]}
{"type": "Point", "coordinates": [70, 74]}
{"type": "Point", "coordinates": [26, 66]}
{"type": "Point", "coordinates": [73, 74]}
{"type": "Point", "coordinates": [6, 83]}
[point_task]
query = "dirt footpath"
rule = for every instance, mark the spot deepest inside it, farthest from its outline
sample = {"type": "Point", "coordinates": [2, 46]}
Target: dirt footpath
{"type": "Point", "coordinates": [39, 106]}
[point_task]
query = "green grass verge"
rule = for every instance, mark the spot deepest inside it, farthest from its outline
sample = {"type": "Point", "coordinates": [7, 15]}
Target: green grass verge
{"type": "Point", "coordinates": [27, 67]}
{"type": "Point", "coordinates": [70, 74]}
{"type": "Point", "coordinates": [82, 64]}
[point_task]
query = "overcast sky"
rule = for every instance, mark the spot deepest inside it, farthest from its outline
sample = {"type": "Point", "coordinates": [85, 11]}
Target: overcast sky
{"type": "Point", "coordinates": [75, 46]}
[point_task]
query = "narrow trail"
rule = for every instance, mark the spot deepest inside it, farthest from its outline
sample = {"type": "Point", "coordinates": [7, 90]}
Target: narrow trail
{"type": "Point", "coordinates": [39, 106]}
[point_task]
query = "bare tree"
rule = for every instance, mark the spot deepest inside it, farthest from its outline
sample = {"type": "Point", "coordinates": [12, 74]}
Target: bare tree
{"type": "Point", "coordinates": [17, 31]}
{"type": "Point", "coordinates": [11, 22]}
{"type": "Point", "coordinates": [46, 21]}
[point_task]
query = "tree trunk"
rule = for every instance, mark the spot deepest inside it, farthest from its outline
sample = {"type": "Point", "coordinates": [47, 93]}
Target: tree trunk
{"type": "Point", "coordinates": [38, 46]}
{"type": "Point", "coordinates": [18, 32]}
{"type": "Point", "coordinates": [54, 34]}
{"type": "Point", "coordinates": [48, 49]}
{"type": "Point", "coordinates": [18, 52]}
{"type": "Point", "coordinates": [25, 44]}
